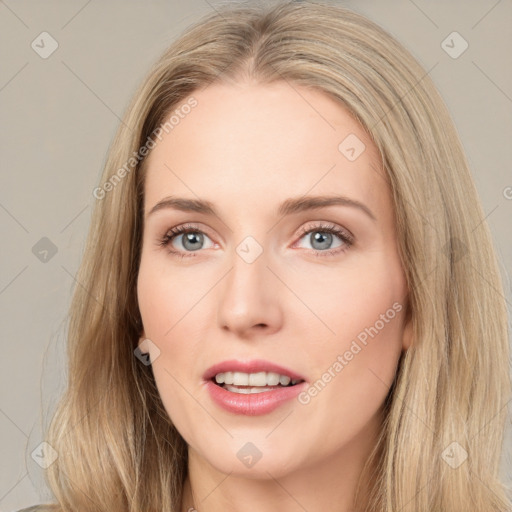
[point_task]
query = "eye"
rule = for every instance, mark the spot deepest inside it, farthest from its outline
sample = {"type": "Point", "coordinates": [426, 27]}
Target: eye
{"type": "Point", "coordinates": [321, 239]}
{"type": "Point", "coordinates": [192, 240]}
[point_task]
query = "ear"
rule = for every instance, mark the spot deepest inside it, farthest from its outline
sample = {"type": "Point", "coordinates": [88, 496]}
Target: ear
{"type": "Point", "coordinates": [407, 335]}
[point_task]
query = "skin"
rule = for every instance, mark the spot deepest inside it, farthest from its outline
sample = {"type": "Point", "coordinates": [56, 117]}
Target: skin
{"type": "Point", "coordinates": [247, 148]}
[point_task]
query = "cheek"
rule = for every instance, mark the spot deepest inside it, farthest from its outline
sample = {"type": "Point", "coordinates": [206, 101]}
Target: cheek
{"type": "Point", "coordinates": [168, 298]}
{"type": "Point", "coordinates": [343, 302]}
{"type": "Point", "coordinates": [168, 305]}
{"type": "Point", "coordinates": [355, 365]}
{"type": "Point", "coordinates": [154, 294]}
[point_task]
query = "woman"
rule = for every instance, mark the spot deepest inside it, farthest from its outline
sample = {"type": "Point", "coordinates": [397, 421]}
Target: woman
{"type": "Point", "coordinates": [282, 301]}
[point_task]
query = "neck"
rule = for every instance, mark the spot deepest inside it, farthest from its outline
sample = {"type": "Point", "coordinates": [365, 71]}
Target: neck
{"type": "Point", "coordinates": [328, 485]}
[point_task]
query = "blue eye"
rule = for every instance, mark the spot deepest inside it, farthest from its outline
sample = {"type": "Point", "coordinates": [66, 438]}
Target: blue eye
{"type": "Point", "coordinates": [193, 239]}
{"type": "Point", "coordinates": [321, 239]}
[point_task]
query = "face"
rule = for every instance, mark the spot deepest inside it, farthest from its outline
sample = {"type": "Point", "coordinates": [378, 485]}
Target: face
{"type": "Point", "coordinates": [270, 281]}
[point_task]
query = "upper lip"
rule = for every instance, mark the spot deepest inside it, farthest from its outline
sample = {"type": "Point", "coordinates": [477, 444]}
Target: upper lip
{"type": "Point", "coordinates": [253, 366]}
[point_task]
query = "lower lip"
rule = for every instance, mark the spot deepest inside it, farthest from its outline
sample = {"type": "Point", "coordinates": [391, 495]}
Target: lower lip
{"type": "Point", "coordinates": [255, 403]}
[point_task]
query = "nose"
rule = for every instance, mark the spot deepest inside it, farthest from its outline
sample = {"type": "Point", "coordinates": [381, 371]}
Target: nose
{"type": "Point", "coordinates": [250, 299]}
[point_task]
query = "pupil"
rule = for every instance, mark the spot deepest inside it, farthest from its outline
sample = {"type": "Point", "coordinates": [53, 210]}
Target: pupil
{"type": "Point", "coordinates": [323, 238]}
{"type": "Point", "coordinates": [192, 238]}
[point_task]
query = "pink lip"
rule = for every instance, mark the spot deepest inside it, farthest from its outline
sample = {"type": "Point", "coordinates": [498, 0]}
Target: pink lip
{"type": "Point", "coordinates": [256, 403]}
{"type": "Point", "coordinates": [253, 404]}
{"type": "Point", "coordinates": [254, 366]}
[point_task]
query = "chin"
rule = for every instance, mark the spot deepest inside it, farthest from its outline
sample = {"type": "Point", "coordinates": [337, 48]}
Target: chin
{"type": "Point", "coordinates": [256, 459]}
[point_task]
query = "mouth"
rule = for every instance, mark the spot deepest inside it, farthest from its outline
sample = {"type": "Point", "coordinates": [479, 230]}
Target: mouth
{"type": "Point", "coordinates": [250, 383]}
{"type": "Point", "coordinates": [252, 388]}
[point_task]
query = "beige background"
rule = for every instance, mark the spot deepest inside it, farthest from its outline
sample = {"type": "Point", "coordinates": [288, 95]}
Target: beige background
{"type": "Point", "coordinates": [59, 115]}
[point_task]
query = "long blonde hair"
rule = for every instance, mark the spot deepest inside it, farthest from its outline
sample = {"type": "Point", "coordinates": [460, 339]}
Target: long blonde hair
{"type": "Point", "coordinates": [117, 448]}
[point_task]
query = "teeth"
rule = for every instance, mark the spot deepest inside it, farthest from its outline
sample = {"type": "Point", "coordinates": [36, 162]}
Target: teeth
{"type": "Point", "coordinates": [259, 379]}
{"type": "Point", "coordinates": [272, 379]}
{"type": "Point", "coordinates": [284, 380]}
{"type": "Point", "coordinates": [241, 379]}
{"type": "Point", "coordinates": [247, 391]}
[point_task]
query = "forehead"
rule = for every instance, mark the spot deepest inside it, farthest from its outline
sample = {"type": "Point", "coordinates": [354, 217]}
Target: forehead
{"type": "Point", "coordinates": [248, 143]}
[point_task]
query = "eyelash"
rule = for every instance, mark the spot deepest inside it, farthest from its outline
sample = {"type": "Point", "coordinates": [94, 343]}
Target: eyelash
{"type": "Point", "coordinates": [345, 237]}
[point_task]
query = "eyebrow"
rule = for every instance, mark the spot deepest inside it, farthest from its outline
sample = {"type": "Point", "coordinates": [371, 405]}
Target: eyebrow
{"type": "Point", "coordinates": [288, 207]}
